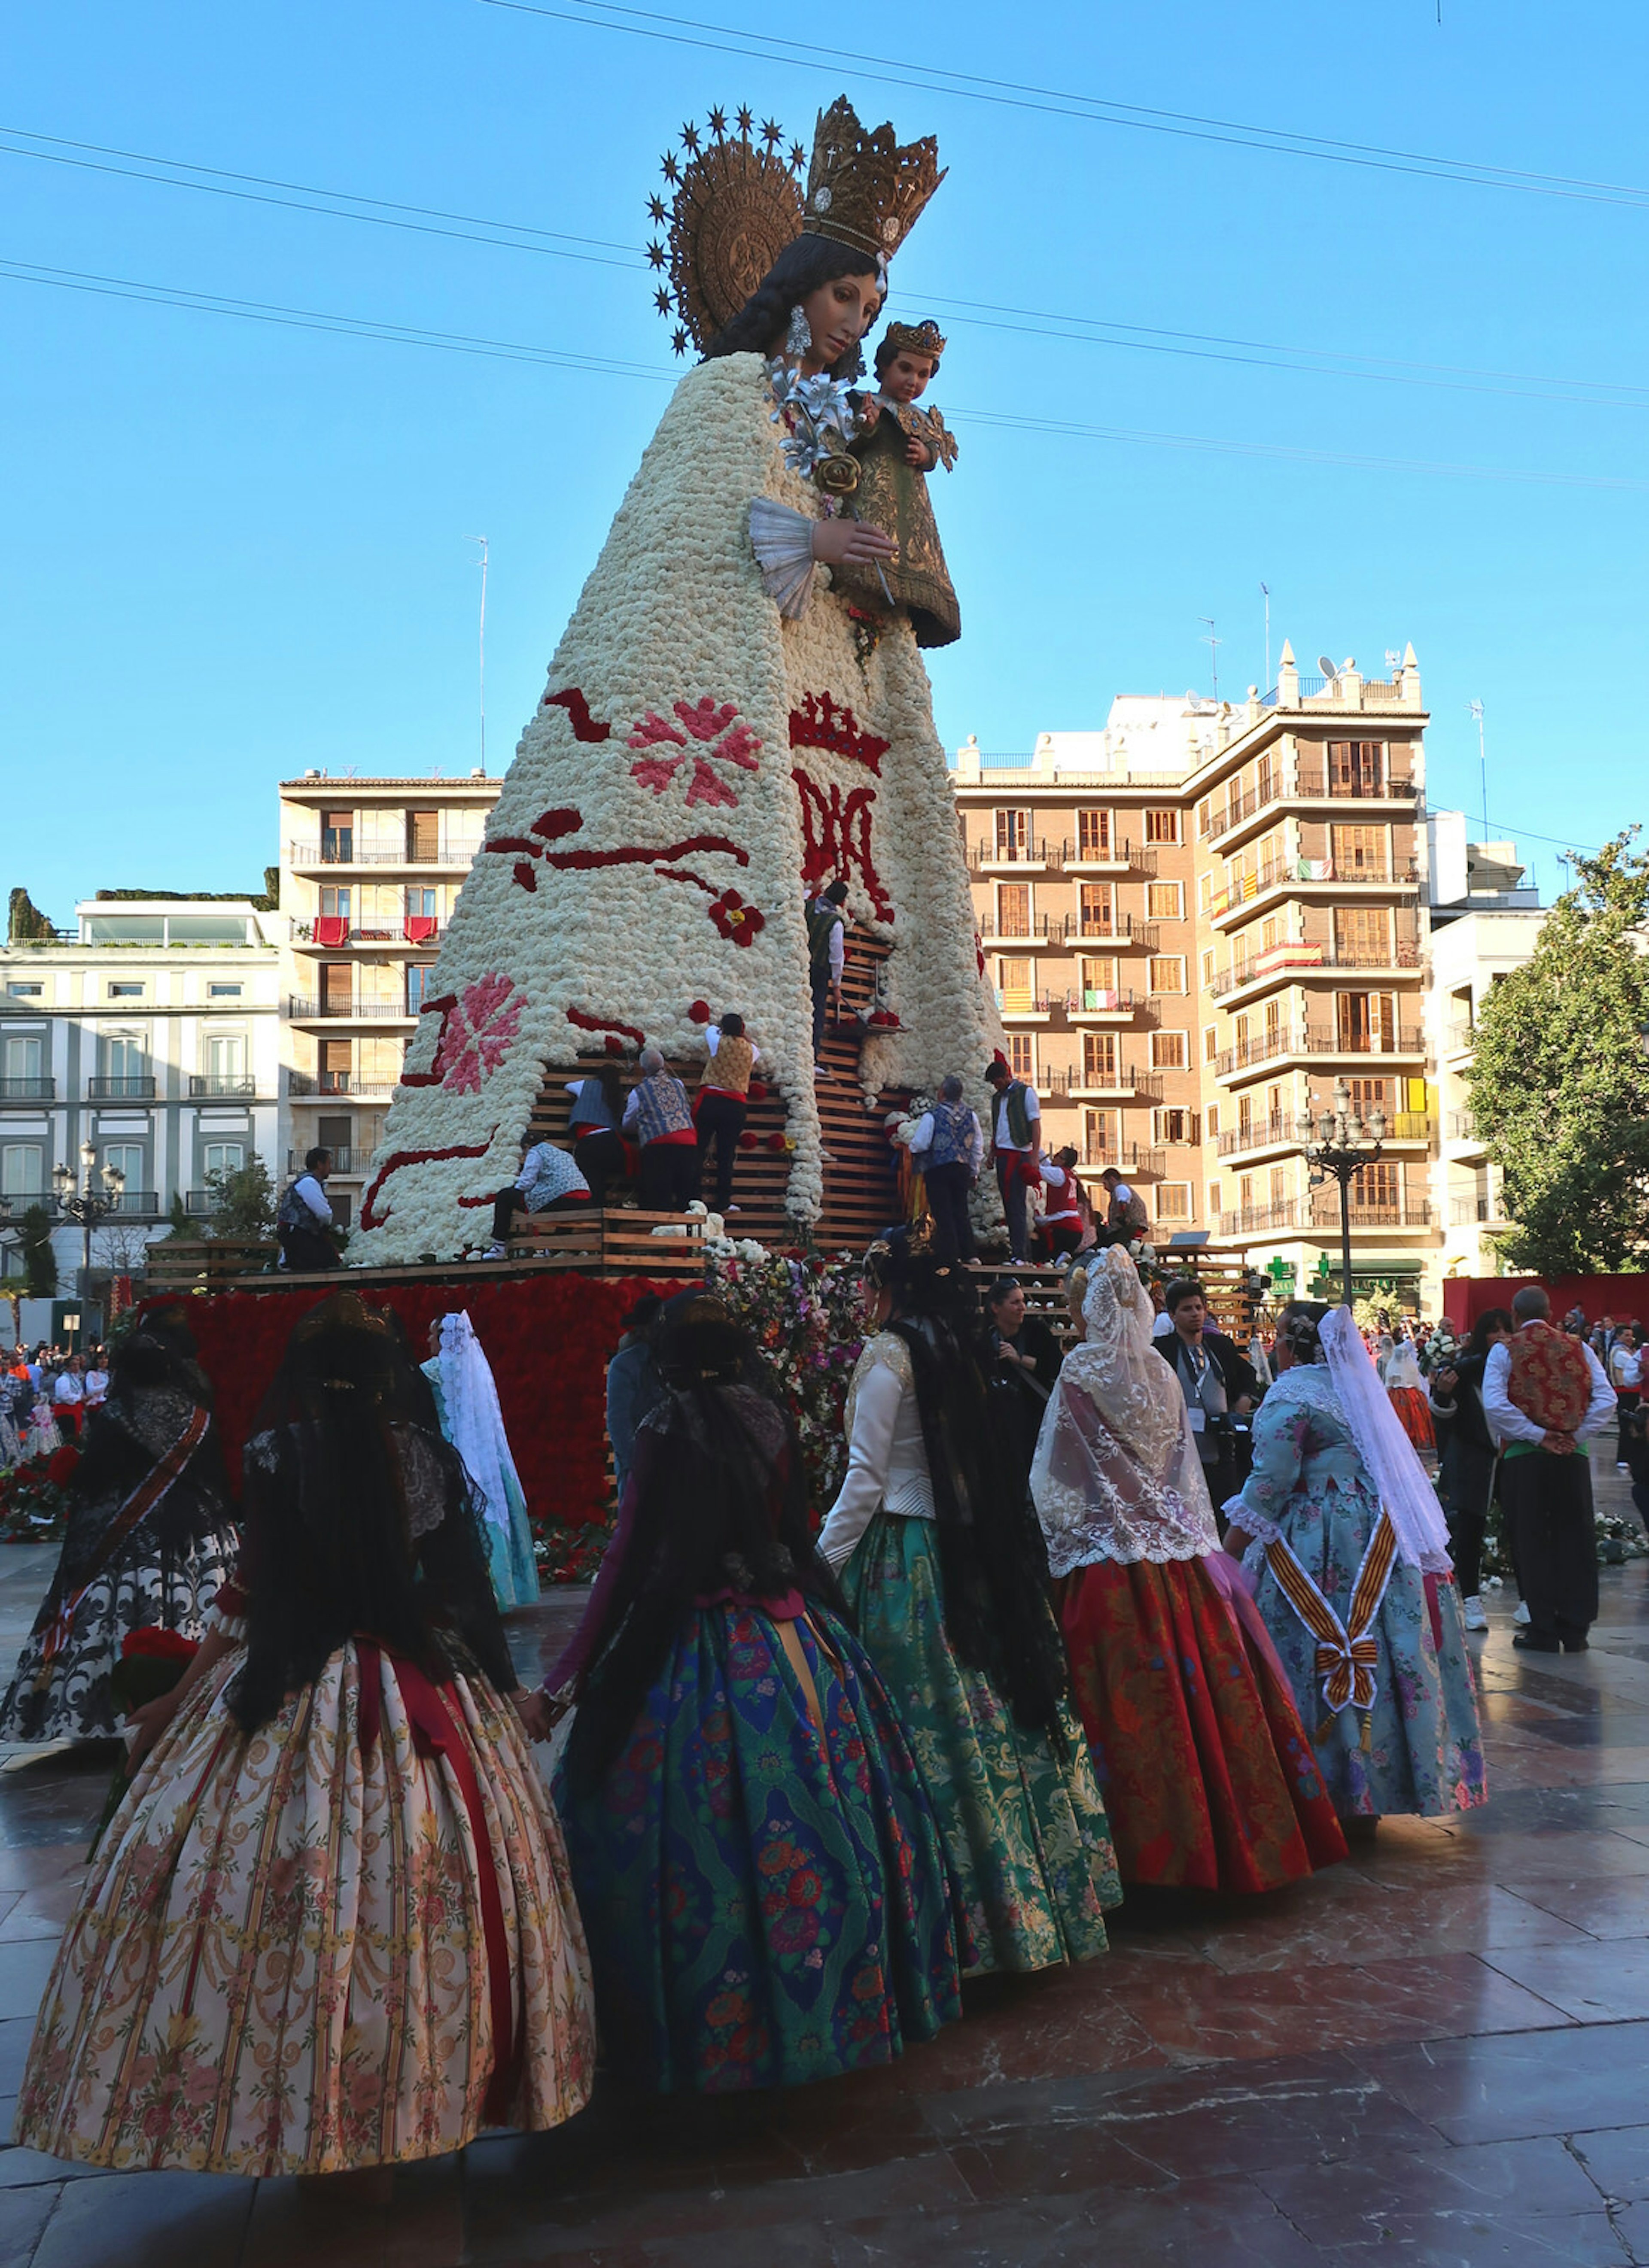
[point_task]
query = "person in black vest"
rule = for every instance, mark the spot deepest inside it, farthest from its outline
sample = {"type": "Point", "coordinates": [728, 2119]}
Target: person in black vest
{"type": "Point", "coordinates": [1219, 1386]}
{"type": "Point", "coordinates": [1016, 1138]}
{"type": "Point", "coordinates": [303, 1224]}
{"type": "Point", "coordinates": [948, 1149]}
{"type": "Point", "coordinates": [827, 953]}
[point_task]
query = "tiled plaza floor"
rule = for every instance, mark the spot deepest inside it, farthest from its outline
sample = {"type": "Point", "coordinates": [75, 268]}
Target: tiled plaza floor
{"type": "Point", "coordinates": [1437, 2054]}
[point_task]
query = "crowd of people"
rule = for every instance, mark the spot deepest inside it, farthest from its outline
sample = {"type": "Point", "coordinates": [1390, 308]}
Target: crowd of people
{"type": "Point", "coordinates": [47, 1394]}
{"type": "Point", "coordinates": [1092, 1613]}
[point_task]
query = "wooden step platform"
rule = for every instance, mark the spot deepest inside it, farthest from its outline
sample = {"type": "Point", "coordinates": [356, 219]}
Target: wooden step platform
{"type": "Point", "coordinates": [861, 1169]}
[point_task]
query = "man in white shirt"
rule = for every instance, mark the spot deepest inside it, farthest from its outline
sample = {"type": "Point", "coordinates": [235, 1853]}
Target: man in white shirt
{"type": "Point", "coordinates": [69, 1394]}
{"type": "Point", "coordinates": [948, 1150]}
{"type": "Point", "coordinates": [827, 957]}
{"type": "Point", "coordinates": [1542, 1392]}
{"type": "Point", "coordinates": [1017, 1137]}
{"type": "Point", "coordinates": [96, 1387]}
{"type": "Point", "coordinates": [304, 1223]}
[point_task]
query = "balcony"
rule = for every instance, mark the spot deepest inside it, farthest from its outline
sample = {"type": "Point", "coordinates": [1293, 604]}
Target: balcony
{"type": "Point", "coordinates": [1096, 1005]}
{"type": "Point", "coordinates": [1286, 877]}
{"type": "Point", "coordinates": [137, 1204]}
{"type": "Point", "coordinates": [1122, 1157]}
{"type": "Point", "coordinates": [1039, 930]}
{"type": "Point", "coordinates": [1030, 1007]}
{"type": "Point", "coordinates": [1102, 1083]}
{"type": "Point", "coordinates": [1262, 1220]}
{"type": "Point", "coordinates": [1393, 1213]}
{"type": "Point", "coordinates": [134, 1086]}
{"type": "Point", "coordinates": [1477, 1212]}
{"type": "Point", "coordinates": [1039, 856]}
{"type": "Point", "coordinates": [308, 1086]}
{"type": "Point", "coordinates": [221, 1083]}
{"type": "Point", "coordinates": [1125, 931]}
{"type": "Point", "coordinates": [1295, 1133]}
{"type": "Point", "coordinates": [1459, 1038]}
{"type": "Point", "coordinates": [28, 1090]}
{"type": "Point", "coordinates": [345, 1159]}
{"type": "Point", "coordinates": [1309, 784]}
{"type": "Point", "coordinates": [1306, 957]}
{"type": "Point", "coordinates": [1121, 857]}
{"type": "Point", "coordinates": [347, 853]}
{"type": "Point", "coordinates": [1273, 1046]}
{"type": "Point", "coordinates": [358, 1008]}
{"type": "Point", "coordinates": [417, 930]}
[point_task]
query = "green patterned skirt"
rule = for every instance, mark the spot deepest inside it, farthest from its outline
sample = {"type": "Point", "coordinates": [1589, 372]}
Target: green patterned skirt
{"type": "Point", "coordinates": [1024, 1831]}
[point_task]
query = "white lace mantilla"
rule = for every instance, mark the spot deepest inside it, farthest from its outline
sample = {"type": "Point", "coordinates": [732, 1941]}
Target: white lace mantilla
{"type": "Point", "coordinates": [1116, 1473]}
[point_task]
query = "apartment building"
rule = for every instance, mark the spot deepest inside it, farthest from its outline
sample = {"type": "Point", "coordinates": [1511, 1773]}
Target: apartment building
{"type": "Point", "coordinates": [1201, 918]}
{"type": "Point", "coordinates": [370, 871]}
{"type": "Point", "coordinates": [152, 1031]}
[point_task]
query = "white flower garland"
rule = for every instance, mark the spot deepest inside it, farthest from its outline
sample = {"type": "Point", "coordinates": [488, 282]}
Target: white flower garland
{"type": "Point", "coordinates": [676, 649]}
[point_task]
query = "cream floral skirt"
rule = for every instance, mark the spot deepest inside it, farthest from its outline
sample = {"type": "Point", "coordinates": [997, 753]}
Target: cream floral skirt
{"type": "Point", "coordinates": [346, 1940]}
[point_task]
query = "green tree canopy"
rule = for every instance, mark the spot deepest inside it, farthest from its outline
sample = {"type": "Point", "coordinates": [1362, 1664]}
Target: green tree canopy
{"type": "Point", "coordinates": [242, 1201]}
{"type": "Point", "coordinates": [1560, 1082]}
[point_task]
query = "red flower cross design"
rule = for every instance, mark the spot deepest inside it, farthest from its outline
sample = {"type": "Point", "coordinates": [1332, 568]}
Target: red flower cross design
{"type": "Point", "coordinates": [739, 922]}
{"type": "Point", "coordinates": [481, 1023]}
{"type": "Point", "coordinates": [721, 740]}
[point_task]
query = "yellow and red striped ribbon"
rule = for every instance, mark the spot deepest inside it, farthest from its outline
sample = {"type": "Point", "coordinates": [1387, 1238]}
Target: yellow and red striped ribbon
{"type": "Point", "coordinates": [1346, 1655]}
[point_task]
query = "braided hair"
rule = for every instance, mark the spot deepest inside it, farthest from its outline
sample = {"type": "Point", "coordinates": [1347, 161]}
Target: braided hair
{"type": "Point", "coordinates": [805, 263]}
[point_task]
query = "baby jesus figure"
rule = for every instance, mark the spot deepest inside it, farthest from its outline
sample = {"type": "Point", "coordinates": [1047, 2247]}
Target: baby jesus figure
{"type": "Point", "coordinates": [899, 445]}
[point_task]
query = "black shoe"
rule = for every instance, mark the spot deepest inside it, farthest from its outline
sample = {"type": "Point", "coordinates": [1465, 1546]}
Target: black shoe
{"type": "Point", "coordinates": [1573, 1641]}
{"type": "Point", "coordinates": [1528, 1642]}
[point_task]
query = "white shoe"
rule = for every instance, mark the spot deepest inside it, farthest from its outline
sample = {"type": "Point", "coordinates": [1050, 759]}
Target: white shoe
{"type": "Point", "coordinates": [496, 1252]}
{"type": "Point", "coordinates": [828, 1157]}
{"type": "Point", "coordinates": [1522, 1613]}
{"type": "Point", "coordinates": [733, 1208]}
{"type": "Point", "coordinates": [819, 1071]}
{"type": "Point", "coordinates": [1473, 1610]}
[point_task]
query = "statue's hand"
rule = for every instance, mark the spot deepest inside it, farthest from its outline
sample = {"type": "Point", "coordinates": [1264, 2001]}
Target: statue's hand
{"type": "Point", "coordinates": [850, 542]}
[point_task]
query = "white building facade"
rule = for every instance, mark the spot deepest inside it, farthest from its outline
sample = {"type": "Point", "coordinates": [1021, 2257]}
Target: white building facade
{"type": "Point", "coordinates": [152, 1032]}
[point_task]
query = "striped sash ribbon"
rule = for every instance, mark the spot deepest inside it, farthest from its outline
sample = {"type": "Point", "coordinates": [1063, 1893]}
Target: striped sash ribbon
{"type": "Point", "coordinates": [1346, 1653]}
{"type": "Point", "coordinates": [143, 1500]}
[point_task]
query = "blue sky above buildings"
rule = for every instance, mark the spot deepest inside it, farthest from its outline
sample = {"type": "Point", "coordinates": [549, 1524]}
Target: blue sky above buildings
{"type": "Point", "coordinates": [235, 548]}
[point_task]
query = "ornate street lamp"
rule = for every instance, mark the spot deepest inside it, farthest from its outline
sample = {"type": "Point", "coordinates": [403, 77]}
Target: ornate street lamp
{"type": "Point", "coordinates": [88, 1204]}
{"type": "Point", "coordinates": [1345, 1144]}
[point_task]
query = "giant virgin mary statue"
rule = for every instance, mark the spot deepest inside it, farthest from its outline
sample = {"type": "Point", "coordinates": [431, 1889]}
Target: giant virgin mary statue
{"type": "Point", "coordinates": [721, 728]}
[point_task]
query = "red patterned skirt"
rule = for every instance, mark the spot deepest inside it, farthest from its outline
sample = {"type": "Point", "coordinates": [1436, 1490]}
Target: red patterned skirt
{"type": "Point", "coordinates": [1207, 1773]}
{"type": "Point", "coordinates": [1413, 1415]}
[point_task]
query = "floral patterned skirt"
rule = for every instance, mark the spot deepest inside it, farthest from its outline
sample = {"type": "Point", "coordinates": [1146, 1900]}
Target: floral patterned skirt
{"type": "Point", "coordinates": [71, 1700]}
{"type": "Point", "coordinates": [767, 1903]}
{"type": "Point", "coordinates": [1419, 1747]}
{"type": "Point", "coordinates": [1024, 1829]}
{"type": "Point", "coordinates": [293, 1958]}
{"type": "Point", "coordinates": [1207, 1773]}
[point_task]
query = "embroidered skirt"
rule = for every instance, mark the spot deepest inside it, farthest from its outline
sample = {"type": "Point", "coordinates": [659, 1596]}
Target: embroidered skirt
{"type": "Point", "coordinates": [767, 1899]}
{"type": "Point", "coordinates": [293, 1958]}
{"type": "Point", "coordinates": [1206, 1770]}
{"type": "Point", "coordinates": [1024, 1829]}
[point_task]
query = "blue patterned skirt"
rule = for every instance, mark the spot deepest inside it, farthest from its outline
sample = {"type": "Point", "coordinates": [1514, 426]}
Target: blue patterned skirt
{"type": "Point", "coordinates": [765, 1905]}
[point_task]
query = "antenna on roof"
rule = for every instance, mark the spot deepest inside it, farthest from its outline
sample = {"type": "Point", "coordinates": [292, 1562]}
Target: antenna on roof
{"type": "Point", "coordinates": [1327, 668]}
{"type": "Point", "coordinates": [1213, 644]}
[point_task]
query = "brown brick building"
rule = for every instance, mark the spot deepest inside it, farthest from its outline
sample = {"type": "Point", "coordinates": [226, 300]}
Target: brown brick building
{"type": "Point", "coordinates": [1201, 918]}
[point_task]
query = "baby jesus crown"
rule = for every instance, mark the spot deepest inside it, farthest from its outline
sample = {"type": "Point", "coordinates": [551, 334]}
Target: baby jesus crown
{"type": "Point", "coordinates": [866, 189]}
{"type": "Point", "coordinates": [924, 338]}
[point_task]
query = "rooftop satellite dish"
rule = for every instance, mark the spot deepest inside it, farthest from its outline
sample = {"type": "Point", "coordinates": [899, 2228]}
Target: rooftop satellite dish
{"type": "Point", "coordinates": [1326, 667]}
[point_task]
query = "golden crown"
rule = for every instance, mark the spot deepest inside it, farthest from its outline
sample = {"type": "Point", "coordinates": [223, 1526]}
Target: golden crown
{"type": "Point", "coordinates": [923, 338]}
{"type": "Point", "coordinates": [866, 189]}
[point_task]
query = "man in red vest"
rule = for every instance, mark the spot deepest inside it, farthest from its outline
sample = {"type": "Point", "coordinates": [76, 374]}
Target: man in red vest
{"type": "Point", "coordinates": [1542, 1393]}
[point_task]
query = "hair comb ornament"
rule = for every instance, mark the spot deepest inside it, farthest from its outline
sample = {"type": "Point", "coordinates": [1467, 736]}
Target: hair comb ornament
{"type": "Point", "coordinates": [736, 204]}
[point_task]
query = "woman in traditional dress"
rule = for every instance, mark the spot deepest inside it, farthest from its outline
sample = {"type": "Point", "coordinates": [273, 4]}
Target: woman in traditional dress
{"type": "Point", "coordinates": [328, 1926]}
{"type": "Point", "coordinates": [1406, 1388]}
{"type": "Point", "coordinates": [942, 1562]}
{"type": "Point", "coordinates": [722, 729]}
{"type": "Point", "coordinates": [1345, 1536]}
{"type": "Point", "coordinates": [755, 1857]}
{"type": "Point", "coordinates": [467, 1410]}
{"type": "Point", "coordinates": [1208, 1775]}
{"type": "Point", "coordinates": [150, 1535]}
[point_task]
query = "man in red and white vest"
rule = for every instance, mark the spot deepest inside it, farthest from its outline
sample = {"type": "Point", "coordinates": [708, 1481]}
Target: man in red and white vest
{"type": "Point", "coordinates": [1542, 1393]}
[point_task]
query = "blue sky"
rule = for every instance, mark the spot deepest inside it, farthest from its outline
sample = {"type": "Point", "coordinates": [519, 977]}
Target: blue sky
{"type": "Point", "coordinates": [231, 549]}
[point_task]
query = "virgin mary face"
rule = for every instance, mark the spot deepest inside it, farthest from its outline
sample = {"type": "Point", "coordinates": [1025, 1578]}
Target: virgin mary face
{"type": "Point", "coordinates": [839, 314]}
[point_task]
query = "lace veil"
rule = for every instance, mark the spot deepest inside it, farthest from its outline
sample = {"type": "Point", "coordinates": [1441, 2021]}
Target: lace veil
{"type": "Point", "coordinates": [1384, 1446]}
{"type": "Point", "coordinates": [1116, 1473]}
{"type": "Point", "coordinates": [474, 1422]}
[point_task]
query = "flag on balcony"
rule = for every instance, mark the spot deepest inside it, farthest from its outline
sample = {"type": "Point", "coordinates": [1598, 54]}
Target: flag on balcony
{"type": "Point", "coordinates": [331, 929]}
{"type": "Point", "coordinates": [419, 928]}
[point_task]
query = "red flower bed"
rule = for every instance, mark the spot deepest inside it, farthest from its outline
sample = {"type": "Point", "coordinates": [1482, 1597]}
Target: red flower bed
{"type": "Point", "coordinates": [547, 1337]}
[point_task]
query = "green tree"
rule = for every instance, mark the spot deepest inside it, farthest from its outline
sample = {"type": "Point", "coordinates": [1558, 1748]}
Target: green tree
{"type": "Point", "coordinates": [24, 922]}
{"type": "Point", "coordinates": [39, 1261]}
{"type": "Point", "coordinates": [1560, 1083]}
{"type": "Point", "coordinates": [242, 1202]}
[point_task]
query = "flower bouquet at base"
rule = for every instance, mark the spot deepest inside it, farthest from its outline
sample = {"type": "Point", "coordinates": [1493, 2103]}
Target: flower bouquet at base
{"type": "Point", "coordinates": [151, 1662]}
